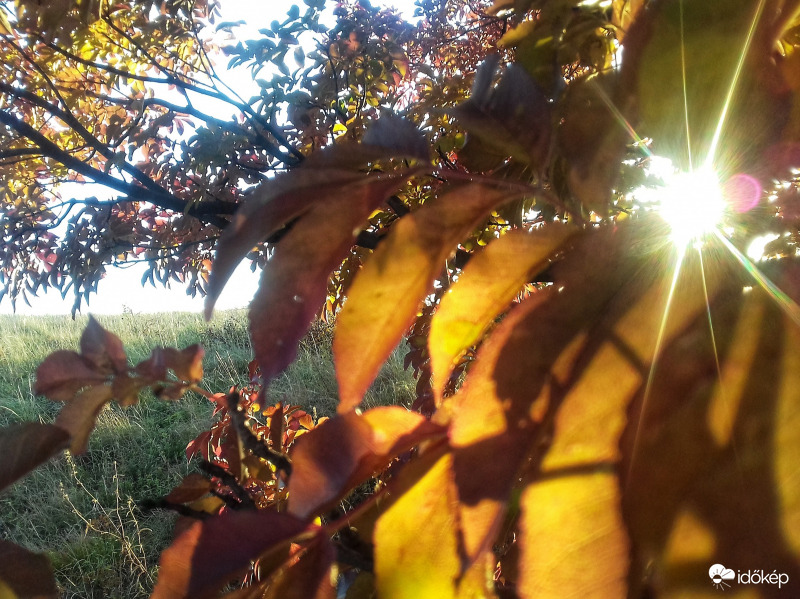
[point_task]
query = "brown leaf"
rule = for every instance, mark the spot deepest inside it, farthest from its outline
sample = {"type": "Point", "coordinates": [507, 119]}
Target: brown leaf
{"type": "Point", "coordinates": [211, 552]}
{"type": "Point", "coordinates": [63, 373]}
{"type": "Point", "coordinates": [485, 288]}
{"type": "Point", "coordinates": [103, 349]}
{"type": "Point", "coordinates": [710, 469]}
{"type": "Point", "coordinates": [387, 293]}
{"type": "Point", "coordinates": [193, 486]}
{"type": "Point", "coordinates": [513, 118]}
{"type": "Point", "coordinates": [286, 197]}
{"type": "Point", "coordinates": [187, 363]}
{"type": "Point", "coordinates": [25, 574]}
{"type": "Point", "coordinates": [399, 136]}
{"type": "Point", "coordinates": [79, 415]}
{"type": "Point", "coordinates": [294, 282]}
{"type": "Point", "coordinates": [344, 451]}
{"type": "Point", "coordinates": [26, 446]}
{"type": "Point", "coordinates": [309, 576]}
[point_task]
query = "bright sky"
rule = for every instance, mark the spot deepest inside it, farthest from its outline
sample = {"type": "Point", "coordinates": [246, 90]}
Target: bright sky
{"type": "Point", "coordinates": [121, 289]}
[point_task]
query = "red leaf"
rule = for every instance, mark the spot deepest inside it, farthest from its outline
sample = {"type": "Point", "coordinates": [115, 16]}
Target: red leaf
{"type": "Point", "coordinates": [271, 206]}
{"type": "Point", "coordinates": [294, 283]}
{"type": "Point", "coordinates": [344, 451]}
{"type": "Point", "coordinates": [25, 574]}
{"type": "Point", "coordinates": [26, 446]}
{"type": "Point", "coordinates": [199, 445]}
{"type": "Point", "coordinates": [103, 349]}
{"type": "Point", "coordinates": [386, 294]}
{"type": "Point", "coordinates": [79, 415]}
{"type": "Point", "coordinates": [63, 374]}
{"type": "Point", "coordinates": [211, 552]}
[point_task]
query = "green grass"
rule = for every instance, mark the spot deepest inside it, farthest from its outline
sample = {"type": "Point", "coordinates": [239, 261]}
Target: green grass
{"type": "Point", "coordinates": [82, 510]}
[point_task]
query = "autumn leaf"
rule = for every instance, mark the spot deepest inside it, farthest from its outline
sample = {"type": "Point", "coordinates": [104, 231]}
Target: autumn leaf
{"type": "Point", "coordinates": [211, 552]}
{"type": "Point", "coordinates": [26, 446]}
{"type": "Point", "coordinates": [309, 575]}
{"type": "Point", "coordinates": [413, 559]}
{"type": "Point", "coordinates": [24, 574]}
{"type": "Point", "coordinates": [270, 207]}
{"type": "Point", "coordinates": [710, 454]}
{"type": "Point", "coordinates": [193, 486]}
{"type": "Point", "coordinates": [101, 349]}
{"type": "Point", "coordinates": [294, 283]}
{"type": "Point", "coordinates": [397, 276]}
{"type": "Point", "coordinates": [364, 444]}
{"type": "Point", "coordinates": [484, 289]}
{"type": "Point", "coordinates": [79, 415]}
{"type": "Point", "coordinates": [63, 373]}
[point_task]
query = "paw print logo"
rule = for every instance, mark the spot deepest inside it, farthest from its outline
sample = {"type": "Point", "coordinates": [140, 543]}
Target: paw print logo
{"type": "Point", "coordinates": [719, 574]}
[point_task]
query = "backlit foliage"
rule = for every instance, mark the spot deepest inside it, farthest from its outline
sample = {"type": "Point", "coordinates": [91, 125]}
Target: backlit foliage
{"type": "Point", "coordinates": [601, 411]}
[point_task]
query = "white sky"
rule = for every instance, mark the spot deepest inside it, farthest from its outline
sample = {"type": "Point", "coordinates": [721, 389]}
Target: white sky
{"type": "Point", "coordinates": [121, 288]}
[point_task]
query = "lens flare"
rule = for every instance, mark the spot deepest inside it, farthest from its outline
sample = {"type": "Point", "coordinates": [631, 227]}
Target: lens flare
{"type": "Point", "coordinates": [692, 203]}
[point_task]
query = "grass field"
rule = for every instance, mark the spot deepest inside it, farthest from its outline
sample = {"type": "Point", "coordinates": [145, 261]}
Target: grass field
{"type": "Point", "coordinates": [82, 510]}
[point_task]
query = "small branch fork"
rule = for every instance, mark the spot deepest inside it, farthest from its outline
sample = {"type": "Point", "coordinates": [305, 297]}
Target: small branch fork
{"type": "Point", "coordinates": [252, 443]}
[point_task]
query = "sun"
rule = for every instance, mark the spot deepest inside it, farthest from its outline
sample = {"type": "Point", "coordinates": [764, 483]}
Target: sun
{"type": "Point", "coordinates": [691, 203]}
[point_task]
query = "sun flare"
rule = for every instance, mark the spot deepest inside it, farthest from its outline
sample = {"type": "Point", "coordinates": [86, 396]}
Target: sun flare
{"type": "Point", "coordinates": [691, 203]}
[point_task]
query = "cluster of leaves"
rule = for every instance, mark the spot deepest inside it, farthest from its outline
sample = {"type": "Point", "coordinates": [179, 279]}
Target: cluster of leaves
{"type": "Point", "coordinates": [592, 418]}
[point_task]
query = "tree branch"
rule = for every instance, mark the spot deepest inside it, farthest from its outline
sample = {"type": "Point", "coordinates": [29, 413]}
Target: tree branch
{"type": "Point", "coordinates": [205, 211]}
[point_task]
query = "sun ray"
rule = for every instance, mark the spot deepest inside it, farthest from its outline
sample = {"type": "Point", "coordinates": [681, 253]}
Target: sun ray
{"type": "Point", "coordinates": [621, 118]}
{"type": "Point", "coordinates": [734, 82]}
{"type": "Point", "coordinates": [685, 92]}
{"type": "Point", "coordinates": [784, 302]}
{"type": "Point", "coordinates": [656, 355]}
{"type": "Point", "coordinates": [708, 314]}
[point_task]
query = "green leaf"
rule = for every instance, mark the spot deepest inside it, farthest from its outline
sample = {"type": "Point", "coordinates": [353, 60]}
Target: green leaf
{"type": "Point", "coordinates": [387, 293]}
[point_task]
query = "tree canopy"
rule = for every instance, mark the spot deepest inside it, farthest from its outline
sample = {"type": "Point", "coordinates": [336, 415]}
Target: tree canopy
{"type": "Point", "coordinates": [606, 405]}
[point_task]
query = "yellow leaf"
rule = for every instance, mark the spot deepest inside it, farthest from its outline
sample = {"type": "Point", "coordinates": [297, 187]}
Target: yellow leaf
{"type": "Point", "coordinates": [387, 293]}
{"type": "Point", "coordinates": [489, 282]}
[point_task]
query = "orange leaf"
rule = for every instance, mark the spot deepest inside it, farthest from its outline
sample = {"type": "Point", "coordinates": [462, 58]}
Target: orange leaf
{"type": "Point", "coordinates": [79, 415]}
{"type": "Point", "coordinates": [344, 451]}
{"type": "Point", "coordinates": [25, 574]}
{"type": "Point", "coordinates": [573, 524]}
{"type": "Point", "coordinates": [387, 293]}
{"type": "Point", "coordinates": [211, 552]}
{"type": "Point", "coordinates": [26, 446]}
{"type": "Point", "coordinates": [489, 282]}
{"type": "Point", "coordinates": [294, 282]}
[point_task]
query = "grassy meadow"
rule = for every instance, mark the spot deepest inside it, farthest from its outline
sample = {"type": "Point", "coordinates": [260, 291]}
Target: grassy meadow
{"type": "Point", "coordinates": [82, 510]}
